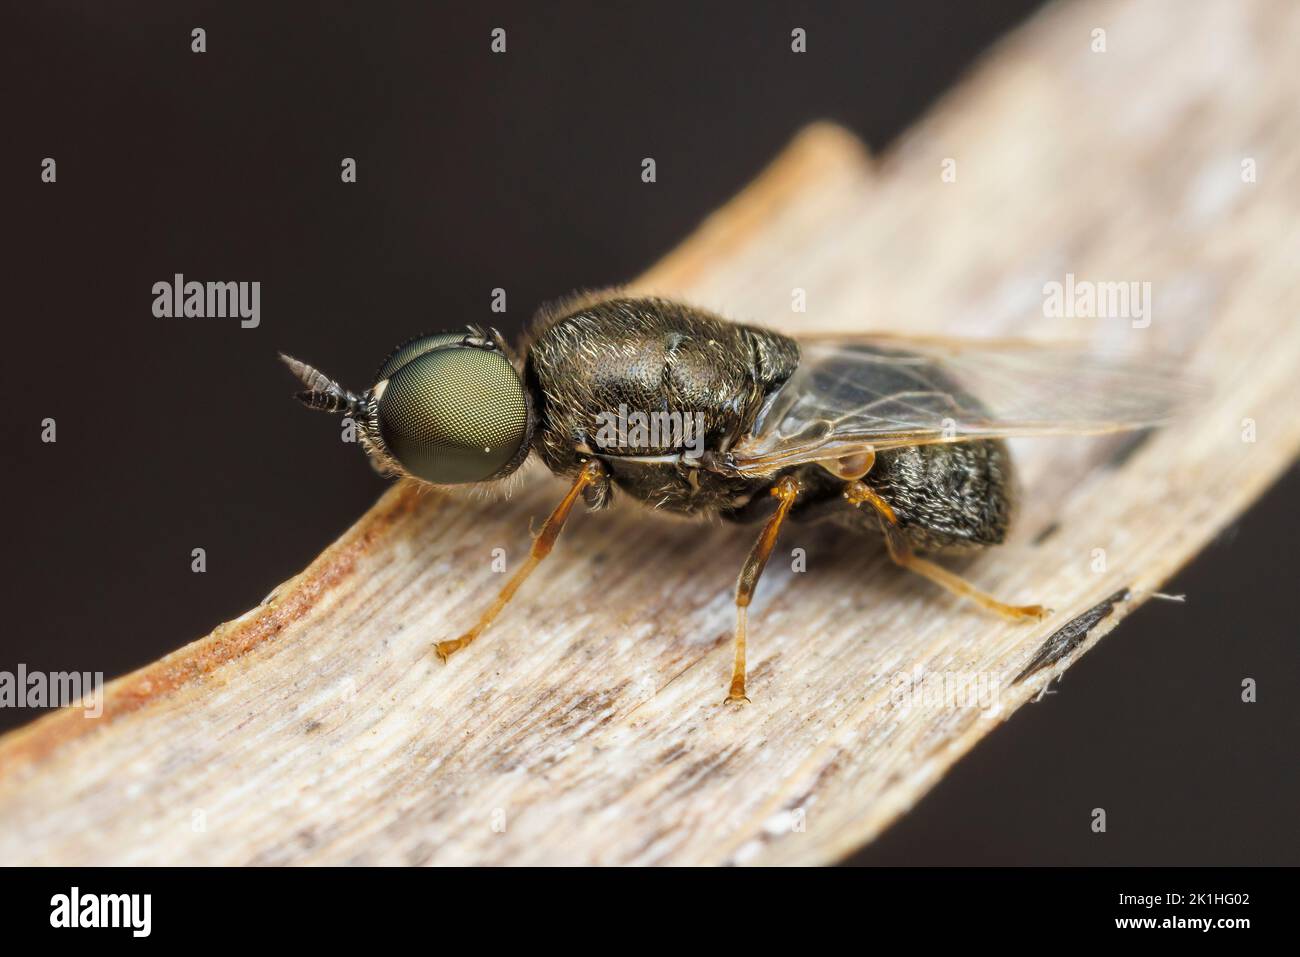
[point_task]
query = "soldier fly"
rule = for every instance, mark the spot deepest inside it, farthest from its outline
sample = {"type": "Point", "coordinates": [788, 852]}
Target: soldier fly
{"type": "Point", "coordinates": [890, 435]}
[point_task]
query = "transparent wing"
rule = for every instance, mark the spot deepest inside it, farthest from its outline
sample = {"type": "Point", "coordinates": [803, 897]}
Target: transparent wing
{"type": "Point", "coordinates": [852, 395]}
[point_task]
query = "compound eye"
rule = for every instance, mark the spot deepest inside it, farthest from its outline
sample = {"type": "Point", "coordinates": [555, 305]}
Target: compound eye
{"type": "Point", "coordinates": [413, 348]}
{"type": "Point", "coordinates": [454, 415]}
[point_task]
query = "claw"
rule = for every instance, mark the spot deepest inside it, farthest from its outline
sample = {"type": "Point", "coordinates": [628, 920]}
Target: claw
{"type": "Point", "coordinates": [445, 649]}
{"type": "Point", "coordinates": [1036, 612]}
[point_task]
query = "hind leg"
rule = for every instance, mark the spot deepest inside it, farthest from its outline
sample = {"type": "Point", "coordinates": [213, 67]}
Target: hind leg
{"type": "Point", "coordinates": [859, 493]}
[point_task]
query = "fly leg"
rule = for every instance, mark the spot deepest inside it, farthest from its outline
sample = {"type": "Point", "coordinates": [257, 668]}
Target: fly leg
{"type": "Point", "coordinates": [857, 493]}
{"type": "Point", "coordinates": [592, 473]}
{"type": "Point", "coordinates": [787, 490]}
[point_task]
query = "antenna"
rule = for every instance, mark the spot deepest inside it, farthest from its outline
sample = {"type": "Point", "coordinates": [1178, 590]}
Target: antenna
{"type": "Point", "coordinates": [323, 393]}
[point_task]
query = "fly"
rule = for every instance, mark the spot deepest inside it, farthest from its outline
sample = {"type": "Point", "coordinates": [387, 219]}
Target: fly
{"type": "Point", "coordinates": [896, 436]}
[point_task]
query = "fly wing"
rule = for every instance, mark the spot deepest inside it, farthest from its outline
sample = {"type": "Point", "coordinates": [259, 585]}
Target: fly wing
{"type": "Point", "coordinates": [850, 396]}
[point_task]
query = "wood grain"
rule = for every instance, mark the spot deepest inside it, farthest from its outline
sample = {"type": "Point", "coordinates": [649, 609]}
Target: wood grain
{"type": "Point", "coordinates": [587, 725]}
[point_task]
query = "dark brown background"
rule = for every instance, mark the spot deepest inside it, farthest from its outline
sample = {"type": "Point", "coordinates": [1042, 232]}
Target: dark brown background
{"type": "Point", "coordinates": [520, 171]}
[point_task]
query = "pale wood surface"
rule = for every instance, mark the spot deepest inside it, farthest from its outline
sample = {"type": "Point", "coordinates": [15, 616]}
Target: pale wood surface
{"type": "Point", "coordinates": [587, 725]}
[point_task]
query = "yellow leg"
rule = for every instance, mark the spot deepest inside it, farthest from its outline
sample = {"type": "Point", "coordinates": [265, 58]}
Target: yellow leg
{"type": "Point", "coordinates": [592, 472]}
{"type": "Point", "coordinates": [857, 493]}
{"type": "Point", "coordinates": [787, 490]}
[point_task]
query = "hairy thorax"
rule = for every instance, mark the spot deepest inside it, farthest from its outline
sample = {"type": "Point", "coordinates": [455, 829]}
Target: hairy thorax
{"type": "Point", "coordinates": [597, 361]}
